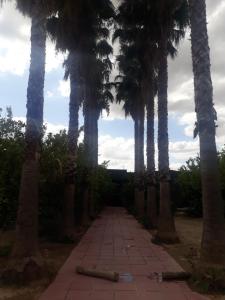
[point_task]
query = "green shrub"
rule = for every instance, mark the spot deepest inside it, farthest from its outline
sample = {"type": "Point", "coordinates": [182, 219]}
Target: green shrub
{"type": "Point", "coordinates": [208, 279]}
{"type": "Point", "coordinates": [52, 167]}
{"type": "Point", "coordinates": [189, 182]}
{"type": "Point", "coordinates": [11, 156]}
{"type": "Point", "coordinates": [128, 198]}
{"type": "Point", "coordinates": [5, 250]}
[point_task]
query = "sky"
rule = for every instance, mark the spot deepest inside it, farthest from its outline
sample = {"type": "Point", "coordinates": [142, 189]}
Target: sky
{"type": "Point", "coordinates": [116, 134]}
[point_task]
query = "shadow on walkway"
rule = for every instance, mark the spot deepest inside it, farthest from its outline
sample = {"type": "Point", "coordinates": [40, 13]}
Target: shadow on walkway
{"type": "Point", "coordinates": [116, 242]}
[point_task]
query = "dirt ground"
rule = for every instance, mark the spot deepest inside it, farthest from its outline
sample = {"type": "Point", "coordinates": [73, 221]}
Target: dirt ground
{"type": "Point", "coordinates": [54, 254]}
{"type": "Point", "coordinates": [187, 252]}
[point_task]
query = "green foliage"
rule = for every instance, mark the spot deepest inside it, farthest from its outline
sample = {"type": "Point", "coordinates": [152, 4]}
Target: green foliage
{"type": "Point", "coordinates": [5, 250]}
{"type": "Point", "coordinates": [189, 180]}
{"type": "Point", "coordinates": [145, 222]}
{"type": "Point", "coordinates": [129, 195]}
{"type": "Point", "coordinates": [189, 183]}
{"type": "Point", "coordinates": [53, 159]}
{"type": "Point", "coordinates": [52, 166]}
{"type": "Point", "coordinates": [11, 155]}
{"type": "Point", "coordinates": [208, 279]}
{"type": "Point", "coordinates": [101, 184]}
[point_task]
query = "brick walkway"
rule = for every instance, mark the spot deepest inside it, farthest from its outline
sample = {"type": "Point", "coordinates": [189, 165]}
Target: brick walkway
{"type": "Point", "coordinates": [117, 242]}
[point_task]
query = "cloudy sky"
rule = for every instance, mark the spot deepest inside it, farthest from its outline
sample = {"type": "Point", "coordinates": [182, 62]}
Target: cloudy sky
{"type": "Point", "coordinates": [115, 132]}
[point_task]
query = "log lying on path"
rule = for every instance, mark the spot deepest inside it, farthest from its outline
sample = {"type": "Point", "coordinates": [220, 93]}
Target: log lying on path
{"type": "Point", "coordinates": [167, 276]}
{"type": "Point", "coordinates": [112, 276]}
{"type": "Point", "coordinates": [170, 276]}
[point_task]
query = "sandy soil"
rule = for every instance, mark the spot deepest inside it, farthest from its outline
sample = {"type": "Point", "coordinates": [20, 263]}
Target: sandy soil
{"type": "Point", "coordinates": [54, 255]}
{"type": "Point", "coordinates": [187, 252]}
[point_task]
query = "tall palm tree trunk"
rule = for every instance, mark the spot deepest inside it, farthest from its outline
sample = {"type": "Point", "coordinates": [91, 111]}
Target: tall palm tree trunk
{"type": "Point", "coordinates": [88, 143]}
{"type": "Point", "coordinates": [166, 227]}
{"type": "Point", "coordinates": [26, 244]}
{"type": "Point", "coordinates": [139, 161]}
{"type": "Point", "coordinates": [94, 143]}
{"type": "Point", "coordinates": [88, 127]}
{"type": "Point", "coordinates": [95, 138]}
{"type": "Point", "coordinates": [70, 173]}
{"type": "Point", "coordinates": [213, 239]}
{"type": "Point", "coordinates": [151, 180]}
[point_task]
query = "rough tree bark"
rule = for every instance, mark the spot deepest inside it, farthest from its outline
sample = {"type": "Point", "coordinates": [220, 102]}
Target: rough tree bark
{"type": "Point", "coordinates": [213, 238]}
{"type": "Point", "coordinates": [139, 161]}
{"type": "Point", "coordinates": [88, 144]}
{"type": "Point", "coordinates": [166, 228]}
{"type": "Point", "coordinates": [94, 159]}
{"type": "Point", "coordinates": [151, 180]}
{"type": "Point", "coordinates": [26, 261]}
{"type": "Point", "coordinates": [95, 137]}
{"type": "Point", "coordinates": [70, 172]}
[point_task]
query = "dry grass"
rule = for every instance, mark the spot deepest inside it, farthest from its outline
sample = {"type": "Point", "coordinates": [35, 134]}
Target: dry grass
{"type": "Point", "coordinates": [187, 251]}
{"type": "Point", "coordinates": [54, 254]}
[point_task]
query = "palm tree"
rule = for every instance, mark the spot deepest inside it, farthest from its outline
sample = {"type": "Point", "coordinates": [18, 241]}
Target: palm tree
{"type": "Point", "coordinates": [72, 71]}
{"type": "Point", "coordinates": [96, 52]}
{"type": "Point", "coordinates": [70, 32]}
{"type": "Point", "coordinates": [129, 90]}
{"type": "Point", "coordinates": [172, 18]}
{"type": "Point", "coordinates": [158, 24]}
{"type": "Point", "coordinates": [213, 239]}
{"type": "Point", "coordinates": [166, 227]}
{"type": "Point", "coordinates": [63, 30]}
{"type": "Point", "coordinates": [26, 250]}
{"type": "Point", "coordinates": [134, 89]}
{"type": "Point", "coordinates": [136, 28]}
{"type": "Point", "coordinates": [151, 177]}
{"type": "Point", "coordinates": [97, 68]}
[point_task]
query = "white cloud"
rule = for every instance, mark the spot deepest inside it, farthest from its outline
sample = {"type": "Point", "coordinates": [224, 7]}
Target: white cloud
{"type": "Point", "coordinates": [119, 151]}
{"type": "Point", "coordinates": [54, 60]}
{"type": "Point", "coordinates": [14, 40]}
{"type": "Point", "coordinates": [116, 113]}
{"type": "Point", "coordinates": [50, 127]}
{"type": "Point", "coordinates": [181, 88]}
{"type": "Point", "coordinates": [49, 94]}
{"type": "Point", "coordinates": [15, 56]}
{"type": "Point", "coordinates": [22, 119]}
{"type": "Point", "coordinates": [54, 128]}
{"type": "Point", "coordinates": [15, 43]}
{"type": "Point", "coordinates": [175, 166]}
{"type": "Point", "coordinates": [24, 30]}
{"type": "Point", "coordinates": [64, 88]}
{"type": "Point", "coordinates": [181, 151]}
{"type": "Point", "coordinates": [12, 61]}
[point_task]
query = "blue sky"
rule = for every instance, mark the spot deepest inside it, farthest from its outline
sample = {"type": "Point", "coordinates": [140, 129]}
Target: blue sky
{"type": "Point", "coordinates": [115, 132]}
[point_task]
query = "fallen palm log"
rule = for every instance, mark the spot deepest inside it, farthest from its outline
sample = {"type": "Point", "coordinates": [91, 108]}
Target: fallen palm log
{"type": "Point", "coordinates": [167, 276]}
{"type": "Point", "coordinates": [112, 276]}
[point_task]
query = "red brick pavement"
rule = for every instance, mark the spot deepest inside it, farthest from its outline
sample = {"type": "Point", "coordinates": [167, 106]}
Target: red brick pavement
{"type": "Point", "coordinates": [117, 242]}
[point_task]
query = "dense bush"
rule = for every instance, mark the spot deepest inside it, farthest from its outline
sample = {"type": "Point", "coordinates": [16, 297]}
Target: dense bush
{"type": "Point", "coordinates": [53, 159]}
{"type": "Point", "coordinates": [186, 183]}
{"type": "Point", "coordinates": [128, 194]}
{"type": "Point", "coordinates": [11, 156]}
{"type": "Point", "coordinates": [52, 164]}
{"type": "Point", "coordinates": [189, 181]}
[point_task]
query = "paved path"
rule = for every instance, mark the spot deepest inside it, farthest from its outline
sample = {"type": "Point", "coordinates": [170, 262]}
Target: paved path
{"type": "Point", "coordinates": [117, 242]}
